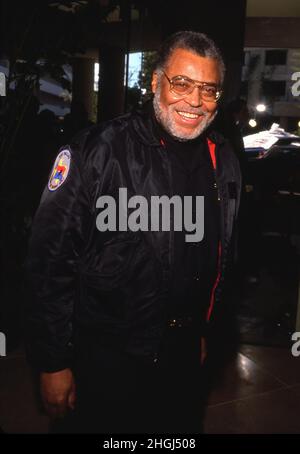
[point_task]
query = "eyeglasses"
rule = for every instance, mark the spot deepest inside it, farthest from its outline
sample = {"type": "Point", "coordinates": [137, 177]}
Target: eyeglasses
{"type": "Point", "coordinates": [183, 86]}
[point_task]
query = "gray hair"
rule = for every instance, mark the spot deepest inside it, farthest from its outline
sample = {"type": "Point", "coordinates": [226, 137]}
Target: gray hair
{"type": "Point", "coordinates": [195, 42]}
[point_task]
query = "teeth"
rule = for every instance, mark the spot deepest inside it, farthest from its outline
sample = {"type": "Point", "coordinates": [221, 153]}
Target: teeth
{"type": "Point", "coordinates": [188, 115]}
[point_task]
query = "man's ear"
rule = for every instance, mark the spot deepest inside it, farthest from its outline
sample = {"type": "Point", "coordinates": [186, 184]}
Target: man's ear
{"type": "Point", "coordinates": [154, 82]}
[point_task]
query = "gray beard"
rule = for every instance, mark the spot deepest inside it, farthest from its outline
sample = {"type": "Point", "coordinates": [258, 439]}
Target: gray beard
{"type": "Point", "coordinates": [169, 125]}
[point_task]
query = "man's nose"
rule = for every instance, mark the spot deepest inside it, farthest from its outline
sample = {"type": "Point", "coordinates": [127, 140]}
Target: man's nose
{"type": "Point", "coordinates": [194, 98]}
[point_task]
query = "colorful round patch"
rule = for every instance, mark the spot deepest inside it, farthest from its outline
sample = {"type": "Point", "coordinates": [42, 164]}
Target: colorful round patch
{"type": "Point", "coordinates": [60, 170]}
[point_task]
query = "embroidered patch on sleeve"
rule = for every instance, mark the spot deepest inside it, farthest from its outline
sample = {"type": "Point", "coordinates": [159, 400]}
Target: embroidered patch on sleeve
{"type": "Point", "coordinates": [60, 170]}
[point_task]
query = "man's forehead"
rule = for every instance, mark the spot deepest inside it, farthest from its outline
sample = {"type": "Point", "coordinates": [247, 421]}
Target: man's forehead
{"type": "Point", "coordinates": [188, 63]}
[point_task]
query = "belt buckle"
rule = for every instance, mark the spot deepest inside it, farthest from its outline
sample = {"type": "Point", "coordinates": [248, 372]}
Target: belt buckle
{"type": "Point", "coordinates": [180, 322]}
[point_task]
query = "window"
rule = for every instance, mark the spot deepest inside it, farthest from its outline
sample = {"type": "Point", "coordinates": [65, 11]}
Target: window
{"type": "Point", "coordinates": [276, 57]}
{"type": "Point", "coordinates": [246, 57]}
{"type": "Point", "coordinates": [96, 76]}
{"type": "Point", "coordinates": [274, 89]}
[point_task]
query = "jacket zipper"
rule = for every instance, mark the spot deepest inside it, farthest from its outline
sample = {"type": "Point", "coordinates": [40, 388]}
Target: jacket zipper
{"type": "Point", "coordinates": [212, 151]}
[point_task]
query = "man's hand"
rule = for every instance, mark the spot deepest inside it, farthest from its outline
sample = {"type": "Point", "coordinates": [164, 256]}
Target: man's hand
{"type": "Point", "coordinates": [58, 392]}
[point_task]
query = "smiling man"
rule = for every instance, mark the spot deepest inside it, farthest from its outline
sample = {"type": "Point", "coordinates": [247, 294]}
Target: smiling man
{"type": "Point", "coordinates": [119, 316]}
{"type": "Point", "coordinates": [182, 104]}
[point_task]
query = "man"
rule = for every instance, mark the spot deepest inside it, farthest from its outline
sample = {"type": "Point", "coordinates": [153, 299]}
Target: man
{"type": "Point", "coordinates": [122, 303]}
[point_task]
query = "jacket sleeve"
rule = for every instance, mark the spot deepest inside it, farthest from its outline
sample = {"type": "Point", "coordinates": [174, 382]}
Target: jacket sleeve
{"type": "Point", "coordinates": [57, 238]}
{"type": "Point", "coordinates": [235, 229]}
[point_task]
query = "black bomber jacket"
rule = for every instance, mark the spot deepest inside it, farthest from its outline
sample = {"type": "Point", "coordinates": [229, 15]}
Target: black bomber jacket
{"type": "Point", "coordinates": [111, 285]}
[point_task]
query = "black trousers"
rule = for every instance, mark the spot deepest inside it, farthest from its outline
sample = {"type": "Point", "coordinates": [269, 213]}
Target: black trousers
{"type": "Point", "coordinates": [121, 393]}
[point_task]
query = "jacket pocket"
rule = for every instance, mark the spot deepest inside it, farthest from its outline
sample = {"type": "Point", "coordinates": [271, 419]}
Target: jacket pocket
{"type": "Point", "coordinates": [113, 267]}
